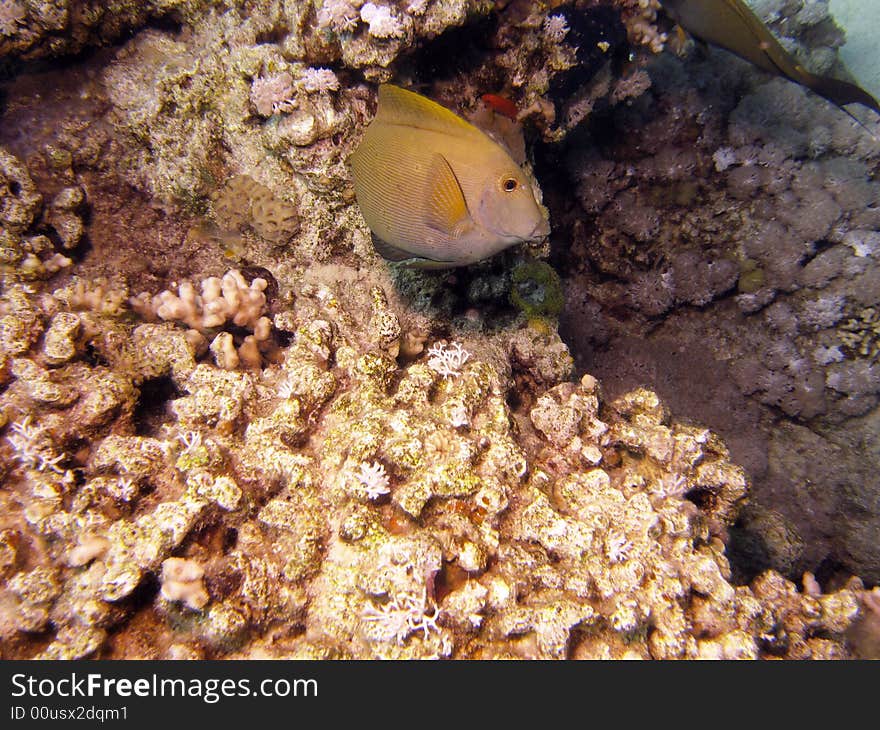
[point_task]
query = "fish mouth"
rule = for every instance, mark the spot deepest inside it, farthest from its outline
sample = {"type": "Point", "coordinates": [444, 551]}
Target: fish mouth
{"type": "Point", "coordinates": [541, 230]}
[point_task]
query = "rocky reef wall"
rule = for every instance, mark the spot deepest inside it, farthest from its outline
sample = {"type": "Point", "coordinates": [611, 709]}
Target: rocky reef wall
{"type": "Point", "coordinates": [231, 430]}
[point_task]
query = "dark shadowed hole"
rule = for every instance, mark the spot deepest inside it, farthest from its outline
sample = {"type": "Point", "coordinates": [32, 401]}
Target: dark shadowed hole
{"type": "Point", "coordinates": [275, 35]}
{"type": "Point", "coordinates": [151, 409]}
{"type": "Point", "coordinates": [514, 401]}
{"type": "Point", "coordinates": [703, 498]}
{"type": "Point", "coordinates": [230, 539]}
{"type": "Point", "coordinates": [283, 338]}
{"type": "Point", "coordinates": [829, 572]}
{"type": "Point", "coordinates": [590, 31]}
{"type": "Point", "coordinates": [145, 593]}
{"type": "Point", "coordinates": [92, 356]}
{"type": "Point", "coordinates": [448, 579]}
{"type": "Point", "coordinates": [454, 51]}
{"type": "Point", "coordinates": [748, 554]}
{"type": "Point", "coordinates": [167, 24]}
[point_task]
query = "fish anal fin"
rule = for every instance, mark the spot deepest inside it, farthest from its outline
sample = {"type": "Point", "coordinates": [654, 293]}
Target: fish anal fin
{"type": "Point", "coordinates": [446, 209]}
{"type": "Point", "coordinates": [389, 252]}
{"type": "Point", "coordinates": [405, 258]}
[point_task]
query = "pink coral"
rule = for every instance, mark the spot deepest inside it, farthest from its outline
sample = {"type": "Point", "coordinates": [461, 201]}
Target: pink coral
{"type": "Point", "coordinates": [12, 15]}
{"type": "Point", "coordinates": [273, 94]}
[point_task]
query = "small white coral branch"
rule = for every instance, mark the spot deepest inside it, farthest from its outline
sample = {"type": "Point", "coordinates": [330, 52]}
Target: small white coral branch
{"type": "Point", "coordinates": [383, 23]}
{"type": "Point", "coordinates": [447, 360]}
{"type": "Point", "coordinates": [373, 479]}
{"type": "Point", "coordinates": [398, 619]}
{"type": "Point", "coordinates": [33, 447]}
{"type": "Point", "coordinates": [555, 28]}
{"type": "Point", "coordinates": [190, 440]}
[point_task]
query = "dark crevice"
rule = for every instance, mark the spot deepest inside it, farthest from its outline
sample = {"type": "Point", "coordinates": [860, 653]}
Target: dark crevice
{"type": "Point", "coordinates": [453, 52]}
{"type": "Point", "coordinates": [273, 35]}
{"type": "Point", "coordinates": [151, 409]}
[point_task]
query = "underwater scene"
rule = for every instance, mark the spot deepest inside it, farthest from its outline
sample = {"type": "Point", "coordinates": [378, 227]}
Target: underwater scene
{"type": "Point", "coordinates": [459, 329]}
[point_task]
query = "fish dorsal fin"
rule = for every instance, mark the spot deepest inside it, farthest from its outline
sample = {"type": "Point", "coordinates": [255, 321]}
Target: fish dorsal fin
{"type": "Point", "coordinates": [406, 108]}
{"type": "Point", "coordinates": [446, 209]}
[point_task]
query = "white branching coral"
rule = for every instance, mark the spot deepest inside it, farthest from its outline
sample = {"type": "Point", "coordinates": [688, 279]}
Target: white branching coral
{"type": "Point", "coordinates": [123, 489]}
{"type": "Point", "coordinates": [317, 80]}
{"type": "Point", "coordinates": [12, 15]}
{"type": "Point", "coordinates": [399, 602]}
{"type": "Point", "coordinates": [190, 440]}
{"type": "Point", "coordinates": [400, 618]}
{"type": "Point", "coordinates": [447, 360]}
{"type": "Point", "coordinates": [617, 548]}
{"type": "Point", "coordinates": [373, 479]}
{"type": "Point", "coordinates": [33, 447]}
{"type": "Point", "coordinates": [555, 28]}
{"type": "Point", "coordinates": [221, 302]}
{"type": "Point", "coordinates": [273, 94]}
{"type": "Point", "coordinates": [339, 16]}
{"type": "Point", "coordinates": [383, 23]}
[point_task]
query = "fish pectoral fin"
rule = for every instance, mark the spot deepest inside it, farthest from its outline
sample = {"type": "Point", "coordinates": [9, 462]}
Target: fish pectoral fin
{"type": "Point", "coordinates": [446, 210]}
{"type": "Point", "coordinates": [400, 256]}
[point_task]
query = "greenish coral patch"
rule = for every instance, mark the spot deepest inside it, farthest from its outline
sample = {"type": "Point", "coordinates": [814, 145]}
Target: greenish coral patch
{"type": "Point", "coordinates": [536, 289]}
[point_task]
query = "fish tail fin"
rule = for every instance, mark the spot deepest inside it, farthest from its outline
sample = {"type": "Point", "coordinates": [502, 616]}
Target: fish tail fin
{"type": "Point", "coordinates": [840, 92]}
{"type": "Point", "coordinates": [860, 123]}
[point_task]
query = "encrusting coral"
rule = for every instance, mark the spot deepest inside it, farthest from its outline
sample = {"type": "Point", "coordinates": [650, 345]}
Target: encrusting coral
{"type": "Point", "coordinates": [382, 510]}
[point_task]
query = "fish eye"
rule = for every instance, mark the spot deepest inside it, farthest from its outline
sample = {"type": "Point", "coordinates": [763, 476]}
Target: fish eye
{"type": "Point", "coordinates": [510, 184]}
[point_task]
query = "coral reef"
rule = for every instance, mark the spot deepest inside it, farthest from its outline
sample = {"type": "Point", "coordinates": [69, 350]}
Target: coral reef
{"type": "Point", "coordinates": [33, 30]}
{"type": "Point", "coordinates": [229, 300]}
{"type": "Point", "coordinates": [368, 509]}
{"type": "Point", "coordinates": [26, 251]}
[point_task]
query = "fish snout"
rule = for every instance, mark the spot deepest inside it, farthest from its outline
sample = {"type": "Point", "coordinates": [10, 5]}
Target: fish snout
{"type": "Point", "coordinates": [541, 230]}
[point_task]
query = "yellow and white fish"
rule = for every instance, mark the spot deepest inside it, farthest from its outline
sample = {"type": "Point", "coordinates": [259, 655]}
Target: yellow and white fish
{"type": "Point", "coordinates": [436, 191]}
